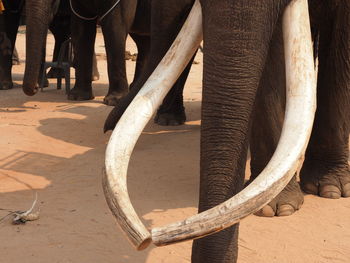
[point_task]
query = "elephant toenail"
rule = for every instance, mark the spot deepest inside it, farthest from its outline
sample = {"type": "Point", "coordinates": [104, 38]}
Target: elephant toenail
{"type": "Point", "coordinates": [330, 191]}
{"type": "Point", "coordinates": [266, 211]}
{"type": "Point", "coordinates": [346, 190]}
{"type": "Point", "coordinates": [285, 210]}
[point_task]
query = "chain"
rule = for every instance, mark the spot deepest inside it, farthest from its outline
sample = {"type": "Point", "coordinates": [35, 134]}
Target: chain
{"type": "Point", "coordinates": [93, 18]}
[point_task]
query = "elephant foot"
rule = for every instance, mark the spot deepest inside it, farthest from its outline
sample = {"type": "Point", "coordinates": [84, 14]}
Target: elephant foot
{"type": "Point", "coordinates": [30, 90]}
{"type": "Point", "coordinates": [6, 85]}
{"type": "Point", "coordinates": [166, 117]}
{"type": "Point", "coordinates": [325, 180]}
{"type": "Point", "coordinates": [114, 97]}
{"type": "Point", "coordinates": [54, 73]}
{"type": "Point", "coordinates": [286, 203]}
{"type": "Point", "coordinates": [78, 94]}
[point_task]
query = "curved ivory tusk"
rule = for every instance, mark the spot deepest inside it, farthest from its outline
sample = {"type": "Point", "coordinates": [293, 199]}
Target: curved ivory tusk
{"type": "Point", "coordinates": [134, 120]}
{"type": "Point", "coordinates": [300, 109]}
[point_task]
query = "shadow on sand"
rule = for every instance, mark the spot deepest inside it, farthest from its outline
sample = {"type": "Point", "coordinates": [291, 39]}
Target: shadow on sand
{"type": "Point", "coordinates": [163, 176]}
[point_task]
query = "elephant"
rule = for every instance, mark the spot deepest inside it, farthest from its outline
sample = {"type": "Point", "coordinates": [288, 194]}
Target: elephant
{"type": "Point", "coordinates": [125, 17]}
{"type": "Point", "coordinates": [59, 25]}
{"type": "Point", "coordinates": [131, 17]}
{"type": "Point", "coordinates": [244, 79]}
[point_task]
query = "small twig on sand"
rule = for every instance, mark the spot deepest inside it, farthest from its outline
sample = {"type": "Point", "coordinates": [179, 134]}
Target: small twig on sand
{"type": "Point", "coordinates": [23, 217]}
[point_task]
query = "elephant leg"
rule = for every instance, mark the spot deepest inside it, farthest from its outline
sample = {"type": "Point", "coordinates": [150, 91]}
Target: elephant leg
{"type": "Point", "coordinates": [83, 39]}
{"type": "Point", "coordinates": [163, 32]}
{"type": "Point", "coordinates": [9, 23]}
{"type": "Point", "coordinates": [267, 124]}
{"type": "Point", "coordinates": [37, 20]}
{"type": "Point", "coordinates": [143, 44]}
{"type": "Point", "coordinates": [172, 110]}
{"type": "Point", "coordinates": [12, 23]}
{"type": "Point", "coordinates": [326, 169]}
{"type": "Point", "coordinates": [167, 20]}
{"type": "Point", "coordinates": [234, 58]}
{"type": "Point", "coordinates": [5, 56]}
{"type": "Point", "coordinates": [115, 28]}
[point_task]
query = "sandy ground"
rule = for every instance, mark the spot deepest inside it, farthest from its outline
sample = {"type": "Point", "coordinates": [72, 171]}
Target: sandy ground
{"type": "Point", "coordinates": [56, 148]}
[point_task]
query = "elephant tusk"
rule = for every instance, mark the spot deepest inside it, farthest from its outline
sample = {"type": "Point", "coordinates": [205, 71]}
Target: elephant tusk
{"type": "Point", "coordinates": [135, 118]}
{"type": "Point", "coordinates": [300, 110]}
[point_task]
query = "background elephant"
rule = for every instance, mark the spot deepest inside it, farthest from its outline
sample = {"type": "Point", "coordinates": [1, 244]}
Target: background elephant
{"type": "Point", "coordinates": [9, 22]}
{"type": "Point", "coordinates": [243, 100]}
{"type": "Point", "coordinates": [126, 17]}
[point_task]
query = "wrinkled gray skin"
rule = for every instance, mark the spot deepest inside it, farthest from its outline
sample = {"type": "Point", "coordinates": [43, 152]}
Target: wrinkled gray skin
{"type": "Point", "coordinates": [243, 77]}
{"type": "Point", "coordinates": [39, 14]}
{"type": "Point", "coordinates": [244, 100]}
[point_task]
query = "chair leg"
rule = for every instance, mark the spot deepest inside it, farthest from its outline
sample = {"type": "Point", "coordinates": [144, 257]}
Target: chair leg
{"type": "Point", "coordinates": [59, 82]}
{"type": "Point", "coordinates": [67, 78]}
{"type": "Point", "coordinates": [43, 76]}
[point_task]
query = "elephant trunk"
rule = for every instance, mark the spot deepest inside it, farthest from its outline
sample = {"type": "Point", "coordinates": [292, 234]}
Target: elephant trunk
{"type": "Point", "coordinates": [300, 109]}
{"type": "Point", "coordinates": [38, 14]}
